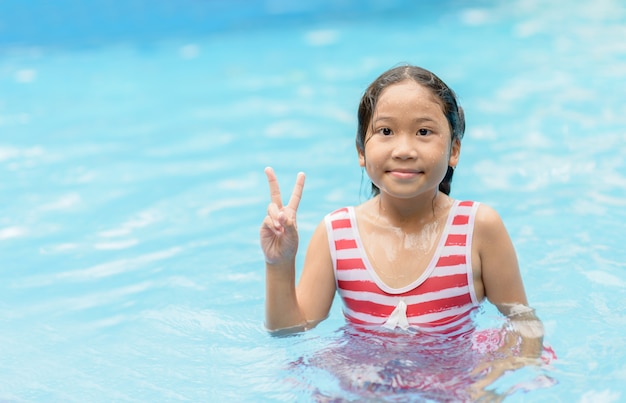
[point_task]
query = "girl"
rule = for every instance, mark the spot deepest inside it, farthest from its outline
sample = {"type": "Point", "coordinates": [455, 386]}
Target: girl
{"type": "Point", "coordinates": [411, 257]}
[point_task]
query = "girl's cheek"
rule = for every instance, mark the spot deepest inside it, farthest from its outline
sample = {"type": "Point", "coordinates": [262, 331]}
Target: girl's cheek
{"type": "Point", "coordinates": [442, 154]}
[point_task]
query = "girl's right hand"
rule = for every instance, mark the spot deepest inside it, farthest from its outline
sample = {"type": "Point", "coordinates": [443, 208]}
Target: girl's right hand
{"type": "Point", "coordinates": [279, 232]}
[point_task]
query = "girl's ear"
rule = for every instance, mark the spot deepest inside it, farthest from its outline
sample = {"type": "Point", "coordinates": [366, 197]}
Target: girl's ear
{"type": "Point", "coordinates": [455, 153]}
{"type": "Point", "coordinates": [361, 156]}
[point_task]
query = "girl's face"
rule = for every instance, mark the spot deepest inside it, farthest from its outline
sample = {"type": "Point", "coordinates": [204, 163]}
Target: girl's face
{"type": "Point", "coordinates": [408, 146]}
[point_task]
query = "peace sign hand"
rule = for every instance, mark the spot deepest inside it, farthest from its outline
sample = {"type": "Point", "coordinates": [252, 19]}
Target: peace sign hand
{"type": "Point", "coordinates": [279, 233]}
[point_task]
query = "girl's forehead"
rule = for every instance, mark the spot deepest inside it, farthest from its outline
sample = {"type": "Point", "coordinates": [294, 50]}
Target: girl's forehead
{"type": "Point", "coordinates": [408, 87]}
{"type": "Point", "coordinates": [408, 91]}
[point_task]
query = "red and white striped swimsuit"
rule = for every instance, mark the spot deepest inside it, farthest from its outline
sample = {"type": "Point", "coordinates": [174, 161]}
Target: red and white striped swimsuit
{"type": "Point", "coordinates": [439, 301]}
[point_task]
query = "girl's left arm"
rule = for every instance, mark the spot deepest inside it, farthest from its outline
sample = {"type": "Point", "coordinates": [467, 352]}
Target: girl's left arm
{"type": "Point", "coordinates": [502, 281]}
{"type": "Point", "coordinates": [503, 287]}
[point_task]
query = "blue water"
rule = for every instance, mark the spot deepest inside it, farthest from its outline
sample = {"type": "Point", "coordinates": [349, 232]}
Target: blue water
{"type": "Point", "coordinates": [132, 145]}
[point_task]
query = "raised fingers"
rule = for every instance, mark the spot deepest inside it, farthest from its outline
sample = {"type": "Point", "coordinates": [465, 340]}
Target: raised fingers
{"type": "Point", "coordinates": [296, 195]}
{"type": "Point", "coordinates": [274, 188]}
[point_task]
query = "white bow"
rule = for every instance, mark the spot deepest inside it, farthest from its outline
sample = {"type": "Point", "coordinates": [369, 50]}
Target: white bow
{"type": "Point", "coordinates": [398, 317]}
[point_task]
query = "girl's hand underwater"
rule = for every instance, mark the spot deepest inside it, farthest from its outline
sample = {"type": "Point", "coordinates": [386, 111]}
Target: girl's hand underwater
{"type": "Point", "coordinates": [279, 232]}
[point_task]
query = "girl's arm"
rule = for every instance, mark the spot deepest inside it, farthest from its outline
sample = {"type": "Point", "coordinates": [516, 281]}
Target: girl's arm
{"type": "Point", "coordinates": [504, 288]}
{"type": "Point", "coordinates": [291, 309]}
{"type": "Point", "coordinates": [502, 281]}
{"type": "Point", "coordinates": [286, 307]}
{"type": "Point", "coordinates": [316, 288]}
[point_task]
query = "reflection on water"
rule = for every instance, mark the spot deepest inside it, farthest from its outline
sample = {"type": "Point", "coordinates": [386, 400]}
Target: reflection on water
{"type": "Point", "coordinates": [359, 364]}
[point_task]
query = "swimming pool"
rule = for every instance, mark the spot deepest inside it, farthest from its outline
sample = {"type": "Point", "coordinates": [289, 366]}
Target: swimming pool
{"type": "Point", "coordinates": [132, 148]}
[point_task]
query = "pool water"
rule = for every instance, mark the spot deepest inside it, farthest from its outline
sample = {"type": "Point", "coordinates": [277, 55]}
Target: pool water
{"type": "Point", "coordinates": [132, 146]}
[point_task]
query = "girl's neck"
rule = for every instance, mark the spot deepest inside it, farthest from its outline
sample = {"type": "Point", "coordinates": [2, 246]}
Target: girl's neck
{"type": "Point", "coordinates": [412, 212]}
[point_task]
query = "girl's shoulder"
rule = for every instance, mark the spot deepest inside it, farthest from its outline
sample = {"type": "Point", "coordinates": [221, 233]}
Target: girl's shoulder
{"type": "Point", "coordinates": [488, 223]}
{"type": "Point", "coordinates": [487, 215]}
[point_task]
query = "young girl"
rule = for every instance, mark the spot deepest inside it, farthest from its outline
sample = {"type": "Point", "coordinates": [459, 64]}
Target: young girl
{"type": "Point", "coordinates": [411, 257]}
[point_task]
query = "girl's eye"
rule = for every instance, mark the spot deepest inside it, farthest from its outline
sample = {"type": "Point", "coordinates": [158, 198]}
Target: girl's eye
{"type": "Point", "coordinates": [385, 131]}
{"type": "Point", "coordinates": [423, 132]}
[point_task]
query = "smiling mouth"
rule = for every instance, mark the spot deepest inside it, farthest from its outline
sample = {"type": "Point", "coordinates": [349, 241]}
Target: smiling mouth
{"type": "Point", "coordinates": [404, 173]}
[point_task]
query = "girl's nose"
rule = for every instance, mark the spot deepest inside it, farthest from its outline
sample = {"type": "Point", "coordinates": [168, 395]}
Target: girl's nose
{"type": "Point", "coordinates": [404, 148]}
